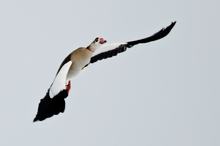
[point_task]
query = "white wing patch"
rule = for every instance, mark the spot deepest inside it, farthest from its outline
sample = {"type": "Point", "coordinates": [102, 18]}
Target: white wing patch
{"type": "Point", "coordinates": [60, 80]}
{"type": "Point", "coordinates": [107, 47]}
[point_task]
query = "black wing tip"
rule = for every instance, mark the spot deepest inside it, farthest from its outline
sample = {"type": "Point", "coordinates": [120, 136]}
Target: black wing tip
{"type": "Point", "coordinates": [164, 31]}
{"type": "Point", "coordinates": [169, 28]}
{"type": "Point", "coordinates": [172, 24]}
{"type": "Point", "coordinates": [158, 35]}
{"type": "Point", "coordinates": [49, 107]}
{"type": "Point", "coordinates": [35, 119]}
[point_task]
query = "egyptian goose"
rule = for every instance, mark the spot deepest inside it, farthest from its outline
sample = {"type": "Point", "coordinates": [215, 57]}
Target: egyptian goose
{"type": "Point", "coordinates": [54, 101]}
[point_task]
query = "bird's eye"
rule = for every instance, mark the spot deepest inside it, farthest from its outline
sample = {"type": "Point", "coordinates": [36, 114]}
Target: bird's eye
{"type": "Point", "coordinates": [96, 39]}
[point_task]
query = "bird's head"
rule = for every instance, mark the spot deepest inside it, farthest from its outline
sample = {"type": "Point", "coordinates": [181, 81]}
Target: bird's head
{"type": "Point", "coordinates": [99, 41]}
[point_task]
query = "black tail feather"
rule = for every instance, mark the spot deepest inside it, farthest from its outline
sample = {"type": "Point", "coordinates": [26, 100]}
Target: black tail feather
{"type": "Point", "coordinates": [51, 106]}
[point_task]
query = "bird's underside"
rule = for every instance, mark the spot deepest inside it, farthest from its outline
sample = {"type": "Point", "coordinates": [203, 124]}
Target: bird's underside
{"type": "Point", "coordinates": [54, 101]}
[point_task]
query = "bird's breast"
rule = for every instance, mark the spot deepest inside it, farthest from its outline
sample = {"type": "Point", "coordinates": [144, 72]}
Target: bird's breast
{"type": "Point", "coordinates": [79, 58]}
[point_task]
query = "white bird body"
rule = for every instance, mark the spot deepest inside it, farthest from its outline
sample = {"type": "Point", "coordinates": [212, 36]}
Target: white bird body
{"type": "Point", "coordinates": [80, 58]}
{"type": "Point", "coordinates": [53, 103]}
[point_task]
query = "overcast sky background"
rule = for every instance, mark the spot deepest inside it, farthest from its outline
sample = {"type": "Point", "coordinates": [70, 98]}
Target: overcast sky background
{"type": "Point", "coordinates": [164, 93]}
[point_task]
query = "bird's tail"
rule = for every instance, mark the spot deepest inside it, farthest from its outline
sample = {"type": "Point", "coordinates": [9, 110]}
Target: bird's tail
{"type": "Point", "coordinates": [51, 106]}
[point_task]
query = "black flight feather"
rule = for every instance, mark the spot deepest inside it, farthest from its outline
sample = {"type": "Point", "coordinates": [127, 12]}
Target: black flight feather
{"type": "Point", "coordinates": [123, 47]}
{"type": "Point", "coordinates": [51, 106]}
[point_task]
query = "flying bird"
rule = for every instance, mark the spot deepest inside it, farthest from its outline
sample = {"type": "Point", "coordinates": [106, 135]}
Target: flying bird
{"type": "Point", "coordinates": [54, 101]}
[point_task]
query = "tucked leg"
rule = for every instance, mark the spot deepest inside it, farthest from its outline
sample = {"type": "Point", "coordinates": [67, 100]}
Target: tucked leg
{"type": "Point", "coordinates": [68, 86]}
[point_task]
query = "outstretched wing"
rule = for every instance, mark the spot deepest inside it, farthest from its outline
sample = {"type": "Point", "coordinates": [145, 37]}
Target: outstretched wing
{"type": "Point", "coordinates": [159, 35]}
{"type": "Point", "coordinates": [110, 50]}
{"type": "Point", "coordinates": [60, 80]}
{"type": "Point", "coordinates": [53, 103]}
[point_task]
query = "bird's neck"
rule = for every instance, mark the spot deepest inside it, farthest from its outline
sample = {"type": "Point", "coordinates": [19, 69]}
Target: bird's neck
{"type": "Point", "coordinates": [90, 48]}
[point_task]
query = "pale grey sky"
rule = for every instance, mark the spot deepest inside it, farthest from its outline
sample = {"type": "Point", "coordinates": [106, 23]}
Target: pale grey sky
{"type": "Point", "coordinates": [164, 93]}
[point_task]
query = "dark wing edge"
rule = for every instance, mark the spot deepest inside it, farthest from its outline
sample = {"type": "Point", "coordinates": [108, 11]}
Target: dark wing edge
{"type": "Point", "coordinates": [109, 53]}
{"type": "Point", "coordinates": [49, 107]}
{"type": "Point", "coordinates": [68, 58]}
{"type": "Point", "coordinates": [159, 35]}
{"type": "Point", "coordinates": [123, 47]}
